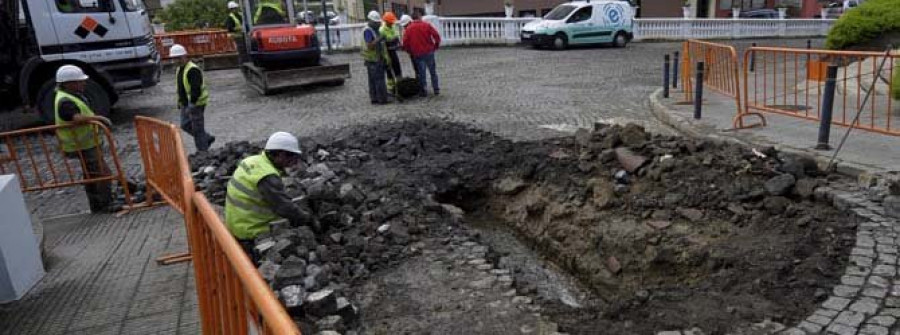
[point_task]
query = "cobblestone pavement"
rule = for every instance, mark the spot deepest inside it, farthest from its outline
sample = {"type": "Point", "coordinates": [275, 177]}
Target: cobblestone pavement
{"type": "Point", "coordinates": [514, 91]}
{"type": "Point", "coordinates": [102, 278]}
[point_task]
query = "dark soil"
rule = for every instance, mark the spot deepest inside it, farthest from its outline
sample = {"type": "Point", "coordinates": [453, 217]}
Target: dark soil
{"type": "Point", "coordinates": [694, 236]}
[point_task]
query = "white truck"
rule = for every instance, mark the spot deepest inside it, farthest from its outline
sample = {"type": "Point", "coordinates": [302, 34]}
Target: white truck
{"type": "Point", "coordinates": [111, 40]}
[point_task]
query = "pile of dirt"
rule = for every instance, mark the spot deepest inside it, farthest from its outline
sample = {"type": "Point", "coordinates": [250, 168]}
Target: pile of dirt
{"type": "Point", "coordinates": [669, 232]}
{"type": "Point", "coordinates": [674, 233]}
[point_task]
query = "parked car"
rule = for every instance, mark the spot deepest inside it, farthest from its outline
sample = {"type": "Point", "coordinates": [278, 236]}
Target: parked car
{"type": "Point", "coordinates": [582, 22]}
{"type": "Point", "coordinates": [836, 9]}
{"type": "Point", "coordinates": [764, 13]}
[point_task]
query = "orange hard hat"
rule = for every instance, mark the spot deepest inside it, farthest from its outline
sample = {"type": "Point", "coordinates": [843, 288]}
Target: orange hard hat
{"type": "Point", "coordinates": [389, 17]}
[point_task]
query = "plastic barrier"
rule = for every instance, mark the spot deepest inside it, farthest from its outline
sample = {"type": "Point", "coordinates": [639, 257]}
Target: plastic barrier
{"type": "Point", "coordinates": [721, 69]}
{"type": "Point", "coordinates": [232, 296]}
{"type": "Point", "coordinates": [792, 81]}
{"type": "Point", "coordinates": [36, 156]}
{"type": "Point", "coordinates": [197, 42]}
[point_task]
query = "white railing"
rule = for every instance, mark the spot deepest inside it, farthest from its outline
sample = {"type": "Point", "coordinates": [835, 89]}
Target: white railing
{"type": "Point", "coordinates": [474, 31]}
{"type": "Point", "coordinates": [680, 29]}
{"type": "Point", "coordinates": [505, 31]}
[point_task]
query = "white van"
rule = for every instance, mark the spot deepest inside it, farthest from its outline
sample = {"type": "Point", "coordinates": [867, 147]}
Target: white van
{"type": "Point", "coordinates": [582, 22]}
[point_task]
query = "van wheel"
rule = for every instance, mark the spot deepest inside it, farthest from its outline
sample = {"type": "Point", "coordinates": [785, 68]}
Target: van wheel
{"type": "Point", "coordinates": [560, 42]}
{"type": "Point", "coordinates": [99, 99]}
{"type": "Point", "coordinates": [620, 40]}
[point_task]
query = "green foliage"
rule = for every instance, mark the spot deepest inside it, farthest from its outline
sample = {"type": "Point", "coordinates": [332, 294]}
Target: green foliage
{"type": "Point", "coordinates": [864, 23]}
{"type": "Point", "coordinates": [194, 14]}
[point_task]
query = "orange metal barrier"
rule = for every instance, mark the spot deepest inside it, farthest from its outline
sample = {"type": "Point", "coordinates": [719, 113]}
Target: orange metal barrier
{"type": "Point", "coordinates": [36, 156]}
{"type": "Point", "coordinates": [165, 164]}
{"type": "Point", "coordinates": [721, 71]}
{"type": "Point", "coordinates": [197, 42]}
{"type": "Point", "coordinates": [166, 169]}
{"type": "Point", "coordinates": [792, 81]}
{"type": "Point", "coordinates": [233, 297]}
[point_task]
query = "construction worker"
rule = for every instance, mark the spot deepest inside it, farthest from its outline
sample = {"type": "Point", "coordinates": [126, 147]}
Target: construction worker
{"type": "Point", "coordinates": [192, 97]}
{"type": "Point", "coordinates": [391, 34]}
{"type": "Point", "coordinates": [405, 20]}
{"type": "Point", "coordinates": [374, 54]}
{"type": "Point", "coordinates": [421, 40]}
{"type": "Point", "coordinates": [255, 195]}
{"type": "Point", "coordinates": [269, 12]}
{"type": "Point", "coordinates": [81, 142]}
{"type": "Point", "coordinates": [235, 26]}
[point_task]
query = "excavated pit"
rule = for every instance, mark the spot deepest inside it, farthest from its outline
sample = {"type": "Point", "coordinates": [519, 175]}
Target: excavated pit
{"type": "Point", "coordinates": [615, 228]}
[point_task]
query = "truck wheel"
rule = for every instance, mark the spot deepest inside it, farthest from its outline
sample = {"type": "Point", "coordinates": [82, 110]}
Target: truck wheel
{"type": "Point", "coordinates": [560, 42]}
{"type": "Point", "coordinates": [99, 99]}
{"type": "Point", "coordinates": [620, 40]}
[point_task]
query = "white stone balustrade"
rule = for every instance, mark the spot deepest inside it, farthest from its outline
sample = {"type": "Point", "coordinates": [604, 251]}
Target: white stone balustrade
{"type": "Point", "coordinates": [505, 31]}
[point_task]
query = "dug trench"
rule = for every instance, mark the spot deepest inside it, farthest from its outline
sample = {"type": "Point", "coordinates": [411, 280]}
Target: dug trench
{"type": "Point", "coordinates": [663, 233]}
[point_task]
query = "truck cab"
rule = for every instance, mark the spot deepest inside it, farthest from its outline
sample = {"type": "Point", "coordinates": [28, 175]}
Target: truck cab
{"type": "Point", "coordinates": [111, 40]}
{"type": "Point", "coordinates": [582, 22]}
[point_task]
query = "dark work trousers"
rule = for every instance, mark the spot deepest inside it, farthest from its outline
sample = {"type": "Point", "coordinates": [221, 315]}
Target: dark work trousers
{"type": "Point", "coordinates": [412, 61]}
{"type": "Point", "coordinates": [377, 86]}
{"type": "Point", "coordinates": [241, 48]}
{"type": "Point", "coordinates": [93, 166]}
{"type": "Point", "coordinates": [426, 63]}
{"type": "Point", "coordinates": [192, 122]}
{"type": "Point", "coordinates": [395, 66]}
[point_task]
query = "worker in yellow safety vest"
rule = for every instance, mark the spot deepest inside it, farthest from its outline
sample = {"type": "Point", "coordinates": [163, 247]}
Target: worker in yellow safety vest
{"type": "Point", "coordinates": [82, 142]}
{"type": "Point", "coordinates": [235, 26]}
{"type": "Point", "coordinates": [192, 97]}
{"type": "Point", "coordinates": [269, 12]}
{"type": "Point", "coordinates": [391, 34]}
{"type": "Point", "coordinates": [374, 53]}
{"type": "Point", "coordinates": [255, 195]}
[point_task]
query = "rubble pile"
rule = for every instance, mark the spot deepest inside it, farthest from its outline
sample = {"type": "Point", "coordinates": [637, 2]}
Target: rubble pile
{"type": "Point", "coordinates": [646, 221]}
{"type": "Point", "coordinates": [373, 213]}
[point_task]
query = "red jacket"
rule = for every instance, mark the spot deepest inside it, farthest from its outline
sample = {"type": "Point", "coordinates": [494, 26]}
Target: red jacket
{"type": "Point", "coordinates": [420, 38]}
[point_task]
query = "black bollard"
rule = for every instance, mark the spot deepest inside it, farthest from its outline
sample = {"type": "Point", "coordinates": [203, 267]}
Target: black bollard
{"type": "Point", "coordinates": [808, 47]}
{"type": "Point", "coordinates": [827, 108]}
{"type": "Point", "coordinates": [675, 70]}
{"type": "Point", "coordinates": [327, 31]}
{"type": "Point", "coordinates": [666, 76]}
{"type": "Point", "coordinates": [753, 58]}
{"type": "Point", "coordinates": [698, 92]}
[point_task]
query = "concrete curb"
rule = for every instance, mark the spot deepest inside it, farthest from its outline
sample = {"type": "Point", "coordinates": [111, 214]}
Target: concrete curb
{"type": "Point", "coordinates": [695, 129]}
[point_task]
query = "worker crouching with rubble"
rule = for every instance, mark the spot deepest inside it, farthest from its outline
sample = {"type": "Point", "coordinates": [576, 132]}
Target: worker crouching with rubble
{"type": "Point", "coordinates": [256, 196]}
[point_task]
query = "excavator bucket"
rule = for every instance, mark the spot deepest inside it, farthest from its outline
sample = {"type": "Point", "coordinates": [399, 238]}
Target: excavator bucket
{"type": "Point", "coordinates": [268, 82]}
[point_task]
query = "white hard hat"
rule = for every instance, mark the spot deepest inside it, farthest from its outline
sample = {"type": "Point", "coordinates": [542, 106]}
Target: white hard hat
{"type": "Point", "coordinates": [67, 73]}
{"type": "Point", "coordinates": [177, 50]}
{"type": "Point", "coordinates": [374, 16]}
{"type": "Point", "coordinates": [283, 141]}
{"type": "Point", "coordinates": [232, 5]}
{"type": "Point", "coordinates": [405, 19]}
